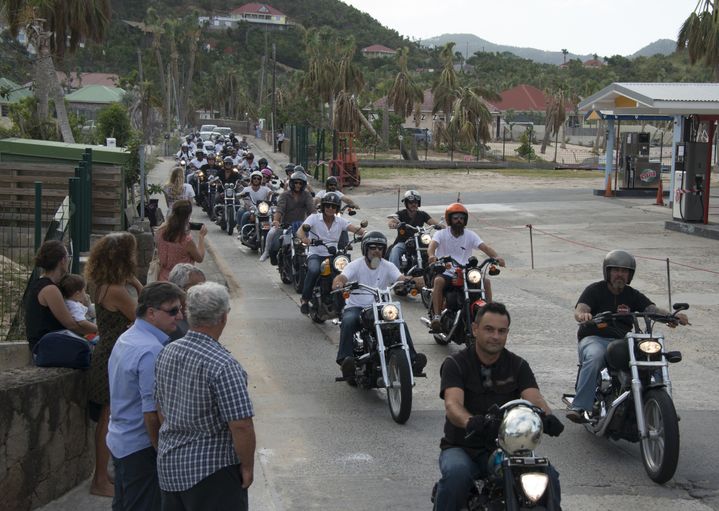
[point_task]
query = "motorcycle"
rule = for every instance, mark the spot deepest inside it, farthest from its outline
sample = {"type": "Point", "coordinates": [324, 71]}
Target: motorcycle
{"type": "Point", "coordinates": [416, 247]}
{"type": "Point", "coordinates": [254, 232]}
{"type": "Point", "coordinates": [517, 478]}
{"type": "Point", "coordinates": [324, 305]}
{"type": "Point", "coordinates": [382, 358]}
{"type": "Point", "coordinates": [465, 294]}
{"type": "Point", "coordinates": [291, 258]}
{"type": "Point", "coordinates": [226, 212]}
{"type": "Point", "coordinates": [634, 393]}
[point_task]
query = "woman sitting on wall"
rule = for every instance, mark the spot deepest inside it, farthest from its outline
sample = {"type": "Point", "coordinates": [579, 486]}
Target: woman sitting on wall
{"type": "Point", "coordinates": [111, 270]}
{"type": "Point", "coordinates": [45, 309]}
{"type": "Point", "coordinates": [174, 242]}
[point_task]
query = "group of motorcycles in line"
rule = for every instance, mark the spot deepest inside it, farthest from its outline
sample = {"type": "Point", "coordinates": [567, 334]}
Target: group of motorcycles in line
{"type": "Point", "coordinates": [633, 397]}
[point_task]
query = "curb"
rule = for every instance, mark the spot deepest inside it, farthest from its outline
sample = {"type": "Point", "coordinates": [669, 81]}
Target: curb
{"type": "Point", "coordinates": [232, 284]}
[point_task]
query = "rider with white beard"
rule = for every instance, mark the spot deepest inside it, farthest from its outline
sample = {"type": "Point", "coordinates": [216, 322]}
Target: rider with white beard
{"type": "Point", "coordinates": [371, 270]}
{"type": "Point", "coordinates": [457, 242]}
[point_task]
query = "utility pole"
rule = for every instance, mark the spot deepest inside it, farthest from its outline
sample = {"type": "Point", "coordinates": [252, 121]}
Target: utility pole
{"type": "Point", "coordinates": [141, 149]}
{"type": "Point", "coordinates": [274, 94]}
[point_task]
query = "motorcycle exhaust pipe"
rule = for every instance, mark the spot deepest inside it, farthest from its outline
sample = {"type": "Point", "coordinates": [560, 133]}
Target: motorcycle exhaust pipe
{"type": "Point", "coordinates": [425, 321]}
{"type": "Point", "coordinates": [615, 404]}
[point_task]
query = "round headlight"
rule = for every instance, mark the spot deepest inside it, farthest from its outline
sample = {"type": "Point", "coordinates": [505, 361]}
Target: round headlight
{"type": "Point", "coordinates": [183, 162]}
{"type": "Point", "coordinates": [263, 208]}
{"type": "Point", "coordinates": [340, 262]}
{"type": "Point", "coordinates": [425, 239]}
{"type": "Point", "coordinates": [520, 431]}
{"type": "Point", "coordinates": [650, 346]}
{"type": "Point", "coordinates": [390, 312]}
{"type": "Point", "coordinates": [474, 276]}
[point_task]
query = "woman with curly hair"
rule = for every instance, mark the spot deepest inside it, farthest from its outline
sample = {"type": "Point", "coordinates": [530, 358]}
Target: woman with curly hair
{"type": "Point", "coordinates": [174, 242]}
{"type": "Point", "coordinates": [45, 309]}
{"type": "Point", "coordinates": [111, 269]}
{"type": "Point", "coordinates": [177, 189]}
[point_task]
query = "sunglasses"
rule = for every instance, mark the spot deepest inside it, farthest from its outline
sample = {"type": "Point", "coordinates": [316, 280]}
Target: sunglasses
{"type": "Point", "coordinates": [172, 312]}
{"type": "Point", "coordinates": [256, 179]}
{"type": "Point", "coordinates": [457, 216]}
{"type": "Point", "coordinates": [374, 247]}
{"type": "Point", "coordinates": [330, 206]}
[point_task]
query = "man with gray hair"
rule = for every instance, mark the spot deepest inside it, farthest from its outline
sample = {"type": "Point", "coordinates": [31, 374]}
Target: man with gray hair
{"type": "Point", "coordinates": [134, 423]}
{"type": "Point", "coordinates": [184, 275]}
{"type": "Point", "coordinates": [207, 439]}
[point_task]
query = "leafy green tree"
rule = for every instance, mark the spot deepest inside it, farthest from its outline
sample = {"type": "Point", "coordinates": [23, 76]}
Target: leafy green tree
{"type": "Point", "coordinates": [114, 122]}
{"type": "Point", "coordinates": [699, 34]}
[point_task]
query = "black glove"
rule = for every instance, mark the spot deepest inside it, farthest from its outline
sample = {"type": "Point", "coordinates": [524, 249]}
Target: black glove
{"type": "Point", "coordinates": [485, 425]}
{"type": "Point", "coordinates": [552, 425]}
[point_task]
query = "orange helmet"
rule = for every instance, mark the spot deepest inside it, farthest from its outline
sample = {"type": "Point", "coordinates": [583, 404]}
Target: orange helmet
{"type": "Point", "coordinates": [455, 208]}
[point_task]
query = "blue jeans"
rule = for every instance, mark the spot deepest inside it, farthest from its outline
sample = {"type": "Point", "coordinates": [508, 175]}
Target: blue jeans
{"type": "Point", "coordinates": [591, 351]}
{"type": "Point", "coordinates": [459, 470]}
{"type": "Point", "coordinates": [244, 219]}
{"type": "Point", "coordinates": [395, 255]}
{"type": "Point", "coordinates": [313, 271]}
{"type": "Point", "coordinates": [351, 324]}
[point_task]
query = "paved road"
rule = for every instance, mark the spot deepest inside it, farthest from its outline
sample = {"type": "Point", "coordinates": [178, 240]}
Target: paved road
{"type": "Point", "coordinates": [324, 445]}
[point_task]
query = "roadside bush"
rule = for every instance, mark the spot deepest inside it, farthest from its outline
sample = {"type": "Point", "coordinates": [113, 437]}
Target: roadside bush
{"type": "Point", "coordinates": [114, 122]}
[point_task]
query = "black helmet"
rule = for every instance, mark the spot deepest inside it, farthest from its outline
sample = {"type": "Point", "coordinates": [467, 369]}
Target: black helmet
{"type": "Point", "coordinates": [300, 168]}
{"type": "Point", "coordinates": [227, 159]}
{"type": "Point", "coordinates": [412, 195]}
{"type": "Point", "coordinates": [330, 198]}
{"type": "Point", "coordinates": [332, 180]}
{"type": "Point", "coordinates": [298, 176]}
{"type": "Point", "coordinates": [619, 259]}
{"type": "Point", "coordinates": [289, 168]}
{"type": "Point", "coordinates": [199, 152]}
{"type": "Point", "coordinates": [373, 238]}
{"type": "Point", "coordinates": [262, 162]}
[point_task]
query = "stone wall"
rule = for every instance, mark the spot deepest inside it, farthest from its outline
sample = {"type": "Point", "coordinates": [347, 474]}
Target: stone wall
{"type": "Point", "coordinates": [46, 438]}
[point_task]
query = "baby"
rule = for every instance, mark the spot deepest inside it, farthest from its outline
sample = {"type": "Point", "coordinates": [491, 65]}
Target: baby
{"type": "Point", "coordinates": [73, 290]}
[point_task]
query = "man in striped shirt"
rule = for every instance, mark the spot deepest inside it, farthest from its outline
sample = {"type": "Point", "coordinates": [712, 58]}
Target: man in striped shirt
{"type": "Point", "coordinates": [207, 439]}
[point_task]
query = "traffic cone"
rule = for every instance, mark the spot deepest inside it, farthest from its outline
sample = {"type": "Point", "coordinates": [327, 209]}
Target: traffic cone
{"type": "Point", "coordinates": [660, 194]}
{"type": "Point", "coordinates": [608, 190]}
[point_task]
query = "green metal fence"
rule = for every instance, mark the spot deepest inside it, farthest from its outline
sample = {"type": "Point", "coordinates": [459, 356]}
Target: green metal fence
{"type": "Point", "coordinates": [19, 241]}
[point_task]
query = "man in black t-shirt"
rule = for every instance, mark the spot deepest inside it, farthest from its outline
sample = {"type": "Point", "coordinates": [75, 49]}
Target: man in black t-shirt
{"type": "Point", "coordinates": [613, 294]}
{"type": "Point", "coordinates": [472, 380]}
{"type": "Point", "coordinates": [410, 215]}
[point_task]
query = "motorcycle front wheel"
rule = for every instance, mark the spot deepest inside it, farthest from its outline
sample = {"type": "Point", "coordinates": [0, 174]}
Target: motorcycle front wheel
{"type": "Point", "coordinates": [660, 450]}
{"type": "Point", "coordinates": [285, 269]}
{"type": "Point", "coordinates": [230, 221]}
{"type": "Point", "coordinates": [399, 386]}
{"type": "Point", "coordinates": [298, 278]}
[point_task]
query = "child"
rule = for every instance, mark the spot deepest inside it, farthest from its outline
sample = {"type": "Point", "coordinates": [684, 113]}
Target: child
{"type": "Point", "coordinates": [76, 300]}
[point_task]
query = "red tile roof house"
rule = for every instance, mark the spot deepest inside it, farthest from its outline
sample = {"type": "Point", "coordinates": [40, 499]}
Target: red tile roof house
{"type": "Point", "coordinates": [259, 13]}
{"type": "Point", "coordinates": [74, 80]}
{"type": "Point", "coordinates": [377, 50]}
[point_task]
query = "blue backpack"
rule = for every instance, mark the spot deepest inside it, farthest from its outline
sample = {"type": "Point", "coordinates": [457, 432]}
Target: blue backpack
{"type": "Point", "coordinates": [62, 349]}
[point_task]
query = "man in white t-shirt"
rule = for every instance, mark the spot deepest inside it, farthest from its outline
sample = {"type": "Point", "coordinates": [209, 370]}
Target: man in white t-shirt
{"type": "Point", "coordinates": [331, 185]}
{"type": "Point", "coordinates": [372, 270]}
{"type": "Point", "coordinates": [253, 194]}
{"type": "Point", "coordinates": [327, 227]}
{"type": "Point", "coordinates": [459, 243]}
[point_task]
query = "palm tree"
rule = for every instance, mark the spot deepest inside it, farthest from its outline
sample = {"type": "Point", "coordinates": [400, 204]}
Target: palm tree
{"type": "Point", "coordinates": [55, 27]}
{"type": "Point", "coordinates": [564, 55]}
{"type": "Point", "coordinates": [699, 34]}
{"type": "Point", "coordinates": [404, 93]}
{"type": "Point", "coordinates": [555, 117]}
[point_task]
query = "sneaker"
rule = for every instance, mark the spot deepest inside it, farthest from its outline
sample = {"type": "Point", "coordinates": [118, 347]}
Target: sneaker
{"type": "Point", "coordinates": [436, 325]}
{"type": "Point", "coordinates": [264, 257]}
{"type": "Point", "coordinates": [305, 308]}
{"type": "Point", "coordinates": [348, 368]}
{"type": "Point", "coordinates": [577, 415]}
{"type": "Point", "coordinates": [420, 360]}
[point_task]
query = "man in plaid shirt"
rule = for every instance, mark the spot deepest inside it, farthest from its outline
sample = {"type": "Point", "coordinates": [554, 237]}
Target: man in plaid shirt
{"type": "Point", "coordinates": [206, 447]}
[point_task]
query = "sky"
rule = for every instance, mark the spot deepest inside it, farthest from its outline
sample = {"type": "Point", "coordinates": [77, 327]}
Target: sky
{"type": "Point", "coordinates": [584, 27]}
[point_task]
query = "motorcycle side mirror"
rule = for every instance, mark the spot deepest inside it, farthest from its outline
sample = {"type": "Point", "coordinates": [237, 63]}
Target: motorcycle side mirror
{"type": "Point", "coordinates": [493, 270]}
{"type": "Point", "coordinates": [680, 306]}
{"type": "Point", "coordinates": [364, 223]}
{"type": "Point", "coordinates": [306, 227]}
{"type": "Point", "coordinates": [472, 261]}
{"type": "Point", "coordinates": [351, 212]}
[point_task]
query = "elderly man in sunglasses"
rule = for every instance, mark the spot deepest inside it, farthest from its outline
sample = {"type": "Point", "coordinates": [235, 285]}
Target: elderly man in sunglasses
{"type": "Point", "coordinates": [134, 422]}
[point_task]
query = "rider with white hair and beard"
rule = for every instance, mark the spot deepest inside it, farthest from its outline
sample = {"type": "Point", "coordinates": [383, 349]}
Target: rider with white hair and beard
{"type": "Point", "coordinates": [371, 270]}
{"type": "Point", "coordinates": [457, 242]}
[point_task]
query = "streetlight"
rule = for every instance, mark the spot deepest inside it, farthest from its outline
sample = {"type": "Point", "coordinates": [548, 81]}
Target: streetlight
{"type": "Point", "coordinates": [426, 142]}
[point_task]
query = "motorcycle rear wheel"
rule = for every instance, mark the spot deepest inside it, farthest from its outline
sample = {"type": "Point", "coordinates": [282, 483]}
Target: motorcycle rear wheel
{"type": "Point", "coordinates": [399, 386]}
{"type": "Point", "coordinates": [660, 450]}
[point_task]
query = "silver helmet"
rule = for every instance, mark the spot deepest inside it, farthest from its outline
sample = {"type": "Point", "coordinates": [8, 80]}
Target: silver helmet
{"type": "Point", "coordinates": [619, 259]}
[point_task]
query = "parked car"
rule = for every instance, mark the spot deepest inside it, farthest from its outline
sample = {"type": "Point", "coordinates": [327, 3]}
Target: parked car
{"type": "Point", "coordinates": [208, 127]}
{"type": "Point", "coordinates": [223, 130]}
{"type": "Point", "coordinates": [421, 135]}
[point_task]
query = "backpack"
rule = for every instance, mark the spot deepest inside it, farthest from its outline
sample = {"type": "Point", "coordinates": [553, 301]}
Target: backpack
{"type": "Point", "coordinates": [62, 349]}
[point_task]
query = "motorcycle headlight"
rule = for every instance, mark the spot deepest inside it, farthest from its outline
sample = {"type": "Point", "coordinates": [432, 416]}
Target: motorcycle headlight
{"type": "Point", "coordinates": [520, 431]}
{"type": "Point", "coordinates": [340, 262]}
{"type": "Point", "coordinates": [650, 346]}
{"type": "Point", "coordinates": [263, 208]}
{"type": "Point", "coordinates": [534, 485]}
{"type": "Point", "coordinates": [183, 162]}
{"type": "Point", "coordinates": [229, 192]}
{"type": "Point", "coordinates": [201, 175]}
{"type": "Point", "coordinates": [474, 276]}
{"type": "Point", "coordinates": [425, 239]}
{"type": "Point", "coordinates": [390, 312]}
